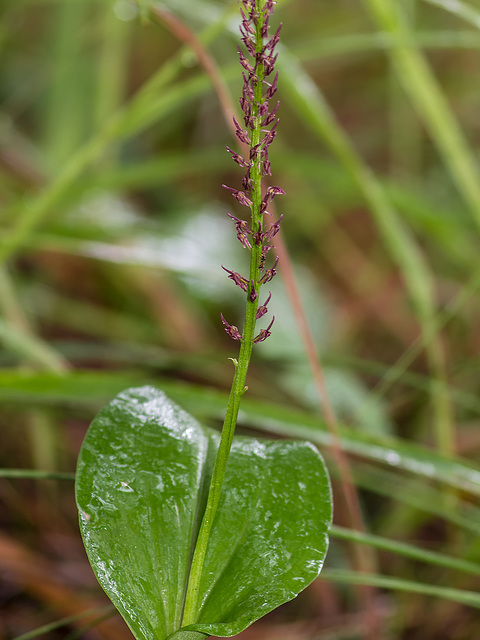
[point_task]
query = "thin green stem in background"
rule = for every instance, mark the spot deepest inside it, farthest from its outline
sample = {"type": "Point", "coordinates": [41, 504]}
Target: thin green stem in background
{"type": "Point", "coordinates": [407, 550]}
{"type": "Point", "coordinates": [460, 9]}
{"type": "Point", "coordinates": [16, 334]}
{"type": "Point", "coordinates": [404, 127]}
{"type": "Point", "coordinates": [112, 66]}
{"type": "Point", "coordinates": [101, 612]}
{"type": "Point", "coordinates": [469, 598]}
{"type": "Point", "coordinates": [31, 348]}
{"type": "Point", "coordinates": [35, 474]}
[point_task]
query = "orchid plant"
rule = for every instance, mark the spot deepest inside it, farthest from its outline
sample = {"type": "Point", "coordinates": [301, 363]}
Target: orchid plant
{"type": "Point", "coordinates": [189, 532]}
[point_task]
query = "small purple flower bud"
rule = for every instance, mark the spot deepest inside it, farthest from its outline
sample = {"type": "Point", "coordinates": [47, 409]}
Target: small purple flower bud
{"type": "Point", "coordinates": [249, 122]}
{"type": "Point", "coordinates": [268, 138]}
{"type": "Point", "coordinates": [265, 249]}
{"type": "Point", "coordinates": [258, 236]}
{"type": "Point", "coordinates": [253, 293]}
{"type": "Point", "coordinates": [239, 159]}
{"type": "Point", "coordinates": [270, 92]}
{"type": "Point", "coordinates": [239, 280]}
{"type": "Point", "coordinates": [274, 229]}
{"type": "Point", "coordinates": [262, 310]}
{"type": "Point", "coordinates": [254, 151]}
{"type": "Point", "coordinates": [243, 231]}
{"type": "Point", "coordinates": [269, 273]}
{"type": "Point", "coordinates": [247, 182]}
{"type": "Point", "coordinates": [265, 155]}
{"type": "Point", "coordinates": [232, 330]}
{"type": "Point", "coordinates": [269, 196]}
{"type": "Point", "coordinates": [269, 6]}
{"type": "Point", "coordinates": [249, 45]}
{"type": "Point", "coordinates": [269, 65]}
{"type": "Point", "coordinates": [244, 62]}
{"type": "Point", "coordinates": [241, 134]}
{"type": "Point", "coordinates": [269, 118]}
{"type": "Point", "coordinates": [274, 40]}
{"type": "Point", "coordinates": [239, 195]}
{"type": "Point", "coordinates": [264, 333]}
{"type": "Point", "coordinates": [263, 109]}
{"type": "Point", "coordinates": [248, 91]}
{"type": "Point", "coordinates": [244, 106]}
{"type": "Point", "coordinates": [275, 191]}
{"type": "Point", "coordinates": [246, 24]}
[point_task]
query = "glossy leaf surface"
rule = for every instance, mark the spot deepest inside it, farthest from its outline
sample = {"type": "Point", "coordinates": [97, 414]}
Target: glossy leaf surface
{"type": "Point", "coordinates": [142, 479]}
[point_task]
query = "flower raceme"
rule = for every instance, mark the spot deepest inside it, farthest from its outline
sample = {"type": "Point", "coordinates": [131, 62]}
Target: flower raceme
{"type": "Point", "coordinates": [260, 123]}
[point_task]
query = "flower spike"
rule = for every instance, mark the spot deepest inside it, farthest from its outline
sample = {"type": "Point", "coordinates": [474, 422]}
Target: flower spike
{"type": "Point", "coordinates": [255, 107]}
{"type": "Point", "coordinates": [257, 58]}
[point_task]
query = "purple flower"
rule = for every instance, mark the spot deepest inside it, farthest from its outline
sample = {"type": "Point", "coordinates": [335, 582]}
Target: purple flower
{"type": "Point", "coordinates": [232, 330]}
{"type": "Point", "coordinates": [253, 295]}
{"type": "Point", "coordinates": [262, 310]}
{"type": "Point", "coordinates": [239, 280]}
{"type": "Point", "coordinates": [269, 273]}
{"type": "Point", "coordinates": [274, 229]}
{"type": "Point", "coordinates": [239, 159]}
{"type": "Point", "coordinates": [243, 231]}
{"type": "Point", "coordinates": [239, 195]}
{"type": "Point", "coordinates": [264, 333]}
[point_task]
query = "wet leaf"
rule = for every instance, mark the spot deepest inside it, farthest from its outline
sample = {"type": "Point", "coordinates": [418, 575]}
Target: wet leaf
{"type": "Point", "coordinates": [142, 479]}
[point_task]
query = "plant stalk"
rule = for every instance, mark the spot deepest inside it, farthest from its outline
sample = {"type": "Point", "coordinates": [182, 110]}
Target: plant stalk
{"type": "Point", "coordinates": [256, 171]}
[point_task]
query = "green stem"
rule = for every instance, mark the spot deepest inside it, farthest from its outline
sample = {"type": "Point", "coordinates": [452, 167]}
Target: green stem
{"type": "Point", "coordinates": [191, 609]}
{"type": "Point", "coordinates": [36, 474]}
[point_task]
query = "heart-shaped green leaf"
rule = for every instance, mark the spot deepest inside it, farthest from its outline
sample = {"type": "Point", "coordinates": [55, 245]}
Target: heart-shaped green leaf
{"type": "Point", "coordinates": [142, 481]}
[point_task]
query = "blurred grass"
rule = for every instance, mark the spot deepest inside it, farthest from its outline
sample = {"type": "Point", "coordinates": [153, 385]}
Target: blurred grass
{"type": "Point", "coordinates": [113, 232]}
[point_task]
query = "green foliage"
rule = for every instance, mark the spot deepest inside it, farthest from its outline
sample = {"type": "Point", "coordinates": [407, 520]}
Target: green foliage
{"type": "Point", "coordinates": [142, 480]}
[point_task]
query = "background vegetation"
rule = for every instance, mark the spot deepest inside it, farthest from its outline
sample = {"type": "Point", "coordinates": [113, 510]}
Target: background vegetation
{"type": "Point", "coordinates": [113, 126]}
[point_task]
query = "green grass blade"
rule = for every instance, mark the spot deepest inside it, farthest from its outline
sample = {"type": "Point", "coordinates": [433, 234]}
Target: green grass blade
{"type": "Point", "coordinates": [46, 628]}
{"type": "Point", "coordinates": [407, 550]}
{"type": "Point", "coordinates": [368, 43]}
{"type": "Point", "coordinates": [417, 495]}
{"type": "Point", "coordinates": [151, 102]}
{"type": "Point", "coordinates": [112, 65]}
{"type": "Point", "coordinates": [460, 9]}
{"type": "Point", "coordinates": [67, 93]}
{"type": "Point", "coordinates": [31, 348]}
{"type": "Point", "coordinates": [469, 598]}
{"type": "Point", "coordinates": [91, 389]}
{"type": "Point", "coordinates": [35, 474]}
{"type": "Point", "coordinates": [429, 100]}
